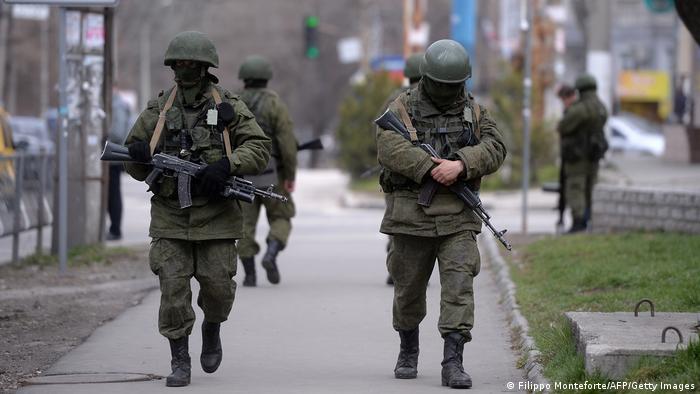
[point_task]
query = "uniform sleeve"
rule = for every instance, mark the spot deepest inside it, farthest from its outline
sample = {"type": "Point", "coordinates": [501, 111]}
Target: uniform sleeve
{"type": "Point", "coordinates": [399, 155]}
{"type": "Point", "coordinates": [142, 131]}
{"type": "Point", "coordinates": [286, 141]}
{"type": "Point", "coordinates": [571, 121]}
{"type": "Point", "coordinates": [251, 147]}
{"type": "Point", "coordinates": [487, 156]}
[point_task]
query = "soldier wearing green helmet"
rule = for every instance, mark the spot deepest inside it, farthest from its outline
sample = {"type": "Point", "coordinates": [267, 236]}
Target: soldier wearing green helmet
{"type": "Point", "coordinates": [273, 117]}
{"type": "Point", "coordinates": [443, 114]}
{"type": "Point", "coordinates": [583, 144]}
{"type": "Point", "coordinates": [197, 241]}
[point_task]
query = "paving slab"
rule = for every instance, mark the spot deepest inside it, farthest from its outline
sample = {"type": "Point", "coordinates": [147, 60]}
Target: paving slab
{"type": "Point", "coordinates": [612, 343]}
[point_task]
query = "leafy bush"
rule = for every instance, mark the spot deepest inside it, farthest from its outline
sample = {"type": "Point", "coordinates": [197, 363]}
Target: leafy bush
{"type": "Point", "coordinates": [507, 96]}
{"type": "Point", "coordinates": [355, 134]}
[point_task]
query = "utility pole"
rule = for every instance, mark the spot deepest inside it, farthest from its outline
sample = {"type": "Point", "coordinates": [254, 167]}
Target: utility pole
{"type": "Point", "coordinates": [598, 58]}
{"type": "Point", "coordinates": [145, 64]}
{"type": "Point", "coordinates": [526, 26]}
{"type": "Point", "coordinates": [44, 67]}
{"type": "Point", "coordinates": [4, 30]}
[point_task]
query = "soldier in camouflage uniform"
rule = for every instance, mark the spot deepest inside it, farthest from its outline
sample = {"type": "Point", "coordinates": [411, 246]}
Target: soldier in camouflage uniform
{"type": "Point", "coordinates": [272, 116]}
{"type": "Point", "coordinates": [199, 240]}
{"type": "Point", "coordinates": [412, 72]}
{"type": "Point", "coordinates": [446, 116]}
{"type": "Point", "coordinates": [583, 144]}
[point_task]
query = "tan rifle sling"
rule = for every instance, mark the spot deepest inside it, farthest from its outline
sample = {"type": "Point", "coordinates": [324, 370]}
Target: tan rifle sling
{"type": "Point", "coordinates": [161, 120]}
{"type": "Point", "coordinates": [227, 140]}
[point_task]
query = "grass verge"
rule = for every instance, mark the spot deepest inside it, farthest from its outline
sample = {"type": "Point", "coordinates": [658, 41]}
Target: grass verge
{"type": "Point", "coordinates": [607, 273]}
{"type": "Point", "coordinates": [79, 256]}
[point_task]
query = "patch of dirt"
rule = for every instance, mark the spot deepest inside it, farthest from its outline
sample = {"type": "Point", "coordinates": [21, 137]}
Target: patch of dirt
{"type": "Point", "coordinates": [43, 314]}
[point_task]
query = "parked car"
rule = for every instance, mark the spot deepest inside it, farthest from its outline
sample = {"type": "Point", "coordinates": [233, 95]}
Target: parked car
{"type": "Point", "coordinates": [31, 135]}
{"type": "Point", "coordinates": [630, 133]}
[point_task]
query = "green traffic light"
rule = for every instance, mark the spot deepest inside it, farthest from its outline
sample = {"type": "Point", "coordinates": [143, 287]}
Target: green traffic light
{"type": "Point", "coordinates": [312, 21]}
{"type": "Point", "coordinates": [312, 52]}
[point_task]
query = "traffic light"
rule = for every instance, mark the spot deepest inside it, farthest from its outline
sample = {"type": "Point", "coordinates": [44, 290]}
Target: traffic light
{"type": "Point", "coordinates": [311, 50]}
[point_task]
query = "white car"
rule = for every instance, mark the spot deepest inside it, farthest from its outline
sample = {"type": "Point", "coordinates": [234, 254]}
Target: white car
{"type": "Point", "coordinates": [629, 133]}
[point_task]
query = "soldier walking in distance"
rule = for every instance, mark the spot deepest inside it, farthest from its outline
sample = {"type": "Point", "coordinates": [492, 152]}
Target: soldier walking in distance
{"type": "Point", "coordinates": [583, 144]}
{"type": "Point", "coordinates": [440, 112]}
{"type": "Point", "coordinates": [197, 241]}
{"type": "Point", "coordinates": [272, 116]}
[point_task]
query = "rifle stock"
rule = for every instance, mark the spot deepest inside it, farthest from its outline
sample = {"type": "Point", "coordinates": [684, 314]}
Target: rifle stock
{"type": "Point", "coordinates": [314, 144]}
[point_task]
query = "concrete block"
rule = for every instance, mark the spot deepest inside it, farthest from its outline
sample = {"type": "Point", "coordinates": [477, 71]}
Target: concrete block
{"type": "Point", "coordinates": [644, 197]}
{"type": "Point", "coordinates": [617, 195]}
{"type": "Point", "coordinates": [676, 213]}
{"type": "Point", "coordinates": [612, 343]}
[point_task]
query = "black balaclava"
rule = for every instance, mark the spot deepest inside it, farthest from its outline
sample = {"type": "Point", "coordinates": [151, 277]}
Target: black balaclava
{"type": "Point", "coordinates": [444, 95]}
{"type": "Point", "coordinates": [255, 83]}
{"type": "Point", "coordinates": [190, 80]}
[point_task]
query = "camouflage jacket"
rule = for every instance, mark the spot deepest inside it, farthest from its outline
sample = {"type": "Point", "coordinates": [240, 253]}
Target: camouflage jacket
{"type": "Point", "coordinates": [209, 217]}
{"type": "Point", "coordinates": [581, 128]}
{"type": "Point", "coordinates": [406, 165]}
{"type": "Point", "coordinates": [273, 117]}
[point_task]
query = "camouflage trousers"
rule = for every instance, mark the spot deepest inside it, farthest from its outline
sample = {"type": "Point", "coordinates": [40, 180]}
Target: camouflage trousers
{"type": "Point", "coordinates": [580, 179]}
{"type": "Point", "coordinates": [411, 260]}
{"type": "Point", "coordinates": [279, 215]}
{"type": "Point", "coordinates": [176, 261]}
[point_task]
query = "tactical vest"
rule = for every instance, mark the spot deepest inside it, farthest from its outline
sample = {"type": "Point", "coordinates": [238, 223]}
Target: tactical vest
{"type": "Point", "coordinates": [446, 133]}
{"type": "Point", "coordinates": [188, 136]}
{"type": "Point", "coordinates": [257, 102]}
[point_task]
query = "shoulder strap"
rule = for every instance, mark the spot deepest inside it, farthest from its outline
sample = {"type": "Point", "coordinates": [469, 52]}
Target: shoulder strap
{"type": "Point", "coordinates": [406, 120]}
{"type": "Point", "coordinates": [477, 112]}
{"type": "Point", "coordinates": [161, 120]}
{"type": "Point", "coordinates": [227, 141]}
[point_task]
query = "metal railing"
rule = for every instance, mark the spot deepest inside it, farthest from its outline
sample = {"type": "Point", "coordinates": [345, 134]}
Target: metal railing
{"type": "Point", "coordinates": [26, 196]}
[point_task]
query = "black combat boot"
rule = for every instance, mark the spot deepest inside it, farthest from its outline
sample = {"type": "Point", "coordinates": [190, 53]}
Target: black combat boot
{"type": "Point", "coordinates": [211, 347]}
{"type": "Point", "coordinates": [389, 280]}
{"type": "Point", "coordinates": [453, 374]}
{"type": "Point", "coordinates": [269, 261]}
{"type": "Point", "coordinates": [407, 364]}
{"type": "Point", "coordinates": [577, 226]}
{"type": "Point", "coordinates": [180, 363]}
{"type": "Point", "coordinates": [249, 268]}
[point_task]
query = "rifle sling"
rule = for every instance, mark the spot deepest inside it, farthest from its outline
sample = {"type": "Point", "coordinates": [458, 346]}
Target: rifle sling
{"type": "Point", "coordinates": [406, 121]}
{"type": "Point", "coordinates": [161, 120]}
{"type": "Point", "coordinates": [227, 140]}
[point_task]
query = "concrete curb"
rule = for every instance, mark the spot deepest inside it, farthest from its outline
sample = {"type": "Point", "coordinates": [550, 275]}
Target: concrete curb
{"type": "Point", "coordinates": [534, 371]}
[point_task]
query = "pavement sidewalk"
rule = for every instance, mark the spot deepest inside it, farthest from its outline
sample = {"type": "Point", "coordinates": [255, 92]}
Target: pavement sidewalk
{"type": "Point", "coordinates": [326, 328]}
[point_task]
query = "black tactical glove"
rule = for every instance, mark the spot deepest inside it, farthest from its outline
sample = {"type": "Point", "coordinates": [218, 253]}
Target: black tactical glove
{"type": "Point", "coordinates": [212, 178]}
{"type": "Point", "coordinates": [140, 151]}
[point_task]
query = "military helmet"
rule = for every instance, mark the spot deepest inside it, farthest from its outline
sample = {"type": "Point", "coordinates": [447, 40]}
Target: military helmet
{"type": "Point", "coordinates": [446, 61]}
{"type": "Point", "coordinates": [255, 67]}
{"type": "Point", "coordinates": [192, 45]}
{"type": "Point", "coordinates": [412, 68]}
{"type": "Point", "coordinates": [585, 82]}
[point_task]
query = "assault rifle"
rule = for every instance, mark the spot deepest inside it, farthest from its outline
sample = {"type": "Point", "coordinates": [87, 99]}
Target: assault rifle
{"type": "Point", "coordinates": [389, 121]}
{"type": "Point", "coordinates": [164, 164]}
